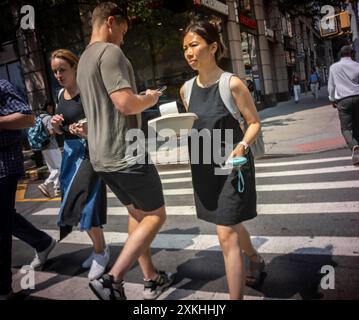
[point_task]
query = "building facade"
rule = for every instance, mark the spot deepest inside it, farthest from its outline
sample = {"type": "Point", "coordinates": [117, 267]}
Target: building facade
{"type": "Point", "coordinates": [265, 47]}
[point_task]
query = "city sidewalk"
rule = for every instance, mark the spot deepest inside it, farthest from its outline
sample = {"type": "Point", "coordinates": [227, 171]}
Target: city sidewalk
{"type": "Point", "coordinates": [307, 127]}
{"type": "Point", "coordinates": [288, 129]}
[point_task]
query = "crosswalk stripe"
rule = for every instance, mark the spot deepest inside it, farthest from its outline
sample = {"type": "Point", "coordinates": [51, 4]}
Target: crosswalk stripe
{"type": "Point", "coordinates": [291, 186]}
{"type": "Point", "coordinates": [283, 173]}
{"type": "Point", "coordinates": [309, 208]}
{"type": "Point", "coordinates": [122, 211]}
{"type": "Point", "coordinates": [336, 246]}
{"type": "Point", "coordinates": [170, 172]}
{"type": "Point", "coordinates": [166, 192]}
{"type": "Point", "coordinates": [306, 172]}
{"type": "Point", "coordinates": [272, 187]}
{"type": "Point", "coordinates": [281, 187]}
{"type": "Point", "coordinates": [260, 188]}
{"type": "Point", "coordinates": [291, 163]}
{"type": "Point", "coordinates": [263, 209]}
{"type": "Point", "coordinates": [271, 164]}
{"type": "Point", "coordinates": [309, 186]}
{"type": "Point", "coordinates": [176, 180]}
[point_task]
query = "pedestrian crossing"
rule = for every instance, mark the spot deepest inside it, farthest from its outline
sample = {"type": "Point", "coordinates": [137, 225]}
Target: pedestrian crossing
{"type": "Point", "coordinates": [269, 209]}
{"type": "Point", "coordinates": [308, 216]}
{"type": "Point", "coordinates": [343, 246]}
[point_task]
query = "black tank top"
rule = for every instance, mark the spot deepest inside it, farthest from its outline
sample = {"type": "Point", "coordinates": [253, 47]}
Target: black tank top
{"type": "Point", "coordinates": [72, 111]}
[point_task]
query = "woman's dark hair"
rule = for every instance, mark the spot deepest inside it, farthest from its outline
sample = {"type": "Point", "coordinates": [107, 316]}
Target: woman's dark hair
{"type": "Point", "coordinates": [209, 32]}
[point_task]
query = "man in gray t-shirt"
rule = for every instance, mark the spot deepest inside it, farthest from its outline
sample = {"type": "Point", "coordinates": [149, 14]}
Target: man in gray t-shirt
{"type": "Point", "coordinates": [104, 70]}
{"type": "Point", "coordinates": [108, 92]}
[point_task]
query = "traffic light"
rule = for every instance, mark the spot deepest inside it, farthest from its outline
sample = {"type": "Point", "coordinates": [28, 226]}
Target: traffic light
{"type": "Point", "coordinates": [344, 18]}
{"type": "Point", "coordinates": [336, 25]}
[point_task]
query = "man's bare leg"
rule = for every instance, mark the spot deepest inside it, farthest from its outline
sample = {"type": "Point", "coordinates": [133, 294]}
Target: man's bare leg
{"type": "Point", "coordinates": [138, 242]}
{"type": "Point", "coordinates": [134, 218]}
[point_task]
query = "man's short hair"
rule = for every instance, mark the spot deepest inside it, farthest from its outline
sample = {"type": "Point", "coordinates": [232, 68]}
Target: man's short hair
{"type": "Point", "coordinates": [108, 9]}
{"type": "Point", "coordinates": [346, 51]}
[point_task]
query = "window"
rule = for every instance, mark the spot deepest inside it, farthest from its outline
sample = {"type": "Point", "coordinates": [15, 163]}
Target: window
{"type": "Point", "coordinates": [287, 26]}
{"type": "Point", "coordinates": [250, 59]}
{"type": "Point", "coordinates": [246, 8]}
{"type": "Point", "coordinates": [13, 73]}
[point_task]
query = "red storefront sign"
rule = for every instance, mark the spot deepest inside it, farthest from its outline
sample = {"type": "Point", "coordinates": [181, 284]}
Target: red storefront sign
{"type": "Point", "coordinates": [248, 22]}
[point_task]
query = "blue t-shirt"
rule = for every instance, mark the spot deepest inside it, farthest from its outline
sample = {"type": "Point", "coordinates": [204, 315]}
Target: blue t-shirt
{"type": "Point", "coordinates": [11, 158]}
{"type": "Point", "coordinates": [313, 78]}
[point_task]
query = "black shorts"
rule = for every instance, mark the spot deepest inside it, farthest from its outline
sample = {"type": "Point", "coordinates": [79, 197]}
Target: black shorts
{"type": "Point", "coordinates": [139, 185]}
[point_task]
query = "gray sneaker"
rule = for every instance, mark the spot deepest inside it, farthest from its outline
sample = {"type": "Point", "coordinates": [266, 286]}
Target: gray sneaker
{"type": "Point", "coordinates": [355, 156]}
{"type": "Point", "coordinates": [154, 288]}
{"type": "Point", "coordinates": [105, 288]}
{"type": "Point", "coordinates": [45, 190]}
{"type": "Point", "coordinates": [41, 257]}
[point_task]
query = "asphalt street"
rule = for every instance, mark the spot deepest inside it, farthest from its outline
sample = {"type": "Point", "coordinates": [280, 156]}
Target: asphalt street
{"type": "Point", "coordinates": [308, 217]}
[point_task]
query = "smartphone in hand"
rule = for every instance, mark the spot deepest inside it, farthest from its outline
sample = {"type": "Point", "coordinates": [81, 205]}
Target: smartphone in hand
{"type": "Point", "coordinates": [83, 121]}
{"type": "Point", "coordinates": [162, 89]}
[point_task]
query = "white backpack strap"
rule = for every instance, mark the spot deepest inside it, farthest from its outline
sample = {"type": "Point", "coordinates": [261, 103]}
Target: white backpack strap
{"type": "Point", "coordinates": [59, 94]}
{"type": "Point", "coordinates": [188, 85]}
{"type": "Point", "coordinates": [58, 97]}
{"type": "Point", "coordinates": [226, 95]}
{"type": "Point", "coordinates": [257, 148]}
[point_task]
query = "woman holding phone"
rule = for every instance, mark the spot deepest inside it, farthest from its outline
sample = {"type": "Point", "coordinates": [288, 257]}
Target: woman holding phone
{"type": "Point", "coordinates": [83, 191]}
{"type": "Point", "coordinates": [218, 198]}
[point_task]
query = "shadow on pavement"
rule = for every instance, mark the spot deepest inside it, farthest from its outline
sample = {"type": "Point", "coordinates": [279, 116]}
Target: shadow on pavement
{"type": "Point", "coordinates": [296, 276]}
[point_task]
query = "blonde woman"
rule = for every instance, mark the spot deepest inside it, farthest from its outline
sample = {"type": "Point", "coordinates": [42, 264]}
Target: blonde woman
{"type": "Point", "coordinates": [83, 191]}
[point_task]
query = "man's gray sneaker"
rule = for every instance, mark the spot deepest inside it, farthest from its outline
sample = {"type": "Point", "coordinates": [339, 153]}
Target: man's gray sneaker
{"type": "Point", "coordinates": [153, 288]}
{"type": "Point", "coordinates": [355, 156]}
{"type": "Point", "coordinates": [41, 257]}
{"type": "Point", "coordinates": [105, 288]}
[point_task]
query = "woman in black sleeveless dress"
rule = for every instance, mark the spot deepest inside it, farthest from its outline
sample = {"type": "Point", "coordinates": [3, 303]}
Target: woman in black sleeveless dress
{"type": "Point", "coordinates": [217, 197]}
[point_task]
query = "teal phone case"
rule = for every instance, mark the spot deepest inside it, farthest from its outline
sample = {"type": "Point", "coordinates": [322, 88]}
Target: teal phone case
{"type": "Point", "coordinates": [238, 161]}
